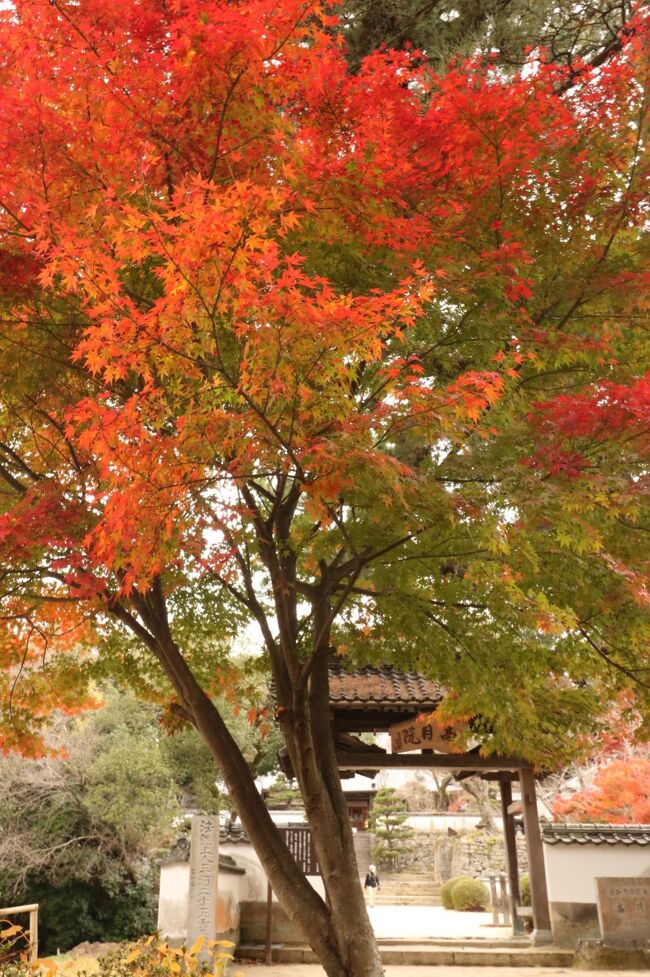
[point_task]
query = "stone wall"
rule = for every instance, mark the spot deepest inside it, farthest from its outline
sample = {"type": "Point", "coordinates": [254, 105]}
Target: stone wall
{"type": "Point", "coordinates": [473, 853]}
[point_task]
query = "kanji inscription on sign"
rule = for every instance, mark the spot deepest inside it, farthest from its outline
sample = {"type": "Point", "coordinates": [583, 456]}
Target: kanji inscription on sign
{"type": "Point", "coordinates": [624, 908]}
{"type": "Point", "coordinates": [299, 842]}
{"type": "Point", "coordinates": [204, 870]}
{"type": "Point", "coordinates": [424, 733]}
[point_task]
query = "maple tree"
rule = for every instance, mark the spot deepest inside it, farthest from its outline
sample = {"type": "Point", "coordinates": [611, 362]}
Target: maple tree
{"type": "Point", "coordinates": [611, 780]}
{"type": "Point", "coordinates": [360, 358]}
{"type": "Point", "coordinates": [619, 794]}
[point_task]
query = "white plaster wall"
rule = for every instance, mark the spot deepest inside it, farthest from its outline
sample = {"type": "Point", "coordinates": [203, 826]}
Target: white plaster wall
{"type": "Point", "coordinates": [429, 823]}
{"type": "Point", "coordinates": [572, 870]}
{"type": "Point", "coordinates": [232, 883]}
{"type": "Point", "coordinates": [292, 816]}
{"type": "Point", "coordinates": [174, 894]}
{"type": "Point", "coordinates": [173, 900]}
{"type": "Point", "coordinates": [255, 887]}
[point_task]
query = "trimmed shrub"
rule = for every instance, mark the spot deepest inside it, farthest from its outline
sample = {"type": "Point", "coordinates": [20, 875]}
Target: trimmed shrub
{"type": "Point", "coordinates": [524, 890]}
{"type": "Point", "coordinates": [445, 890]}
{"type": "Point", "coordinates": [469, 895]}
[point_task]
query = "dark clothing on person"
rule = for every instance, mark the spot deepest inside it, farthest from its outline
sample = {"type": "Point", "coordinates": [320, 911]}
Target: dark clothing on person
{"type": "Point", "coordinates": [372, 880]}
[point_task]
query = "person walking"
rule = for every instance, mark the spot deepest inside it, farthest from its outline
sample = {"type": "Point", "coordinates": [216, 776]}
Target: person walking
{"type": "Point", "coordinates": [371, 884]}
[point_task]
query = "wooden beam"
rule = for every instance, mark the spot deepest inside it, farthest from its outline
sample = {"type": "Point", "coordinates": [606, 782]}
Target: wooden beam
{"type": "Point", "coordinates": [496, 776]}
{"type": "Point", "coordinates": [492, 775]}
{"type": "Point", "coordinates": [414, 761]}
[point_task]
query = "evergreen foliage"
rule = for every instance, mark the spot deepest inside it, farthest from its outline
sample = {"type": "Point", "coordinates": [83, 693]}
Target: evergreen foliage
{"type": "Point", "coordinates": [446, 890]}
{"type": "Point", "coordinates": [387, 820]}
{"type": "Point", "coordinates": [444, 30]}
{"type": "Point", "coordinates": [100, 910]}
{"type": "Point", "coordinates": [79, 829]}
{"type": "Point", "coordinates": [281, 794]}
{"type": "Point", "coordinates": [469, 895]}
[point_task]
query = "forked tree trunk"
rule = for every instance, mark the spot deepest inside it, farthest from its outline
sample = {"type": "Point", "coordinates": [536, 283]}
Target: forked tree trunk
{"type": "Point", "coordinates": [311, 746]}
{"type": "Point", "coordinates": [338, 930]}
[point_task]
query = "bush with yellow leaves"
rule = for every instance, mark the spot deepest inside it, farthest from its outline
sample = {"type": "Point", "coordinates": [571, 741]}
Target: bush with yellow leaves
{"type": "Point", "coordinates": [149, 957]}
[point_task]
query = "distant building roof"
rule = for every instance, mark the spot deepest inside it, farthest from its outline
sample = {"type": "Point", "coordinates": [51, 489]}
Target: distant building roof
{"type": "Point", "coordinates": [596, 834]}
{"type": "Point", "coordinates": [235, 833]}
{"type": "Point", "coordinates": [377, 687]}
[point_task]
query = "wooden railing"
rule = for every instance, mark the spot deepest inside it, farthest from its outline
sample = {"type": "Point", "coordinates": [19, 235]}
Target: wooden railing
{"type": "Point", "coordinates": [32, 909]}
{"type": "Point", "coordinates": [500, 898]}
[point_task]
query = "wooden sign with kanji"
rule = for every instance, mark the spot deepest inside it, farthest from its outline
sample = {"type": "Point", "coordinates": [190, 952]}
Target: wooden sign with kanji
{"type": "Point", "coordinates": [424, 733]}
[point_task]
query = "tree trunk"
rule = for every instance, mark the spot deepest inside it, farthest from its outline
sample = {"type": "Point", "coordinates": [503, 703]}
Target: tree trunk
{"type": "Point", "coordinates": [339, 932]}
{"type": "Point", "coordinates": [311, 743]}
{"type": "Point", "coordinates": [480, 791]}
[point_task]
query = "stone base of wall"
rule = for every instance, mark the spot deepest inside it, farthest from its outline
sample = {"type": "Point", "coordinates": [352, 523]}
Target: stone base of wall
{"type": "Point", "coordinates": [574, 921]}
{"type": "Point", "coordinates": [253, 925]}
{"type": "Point", "coordinates": [596, 955]}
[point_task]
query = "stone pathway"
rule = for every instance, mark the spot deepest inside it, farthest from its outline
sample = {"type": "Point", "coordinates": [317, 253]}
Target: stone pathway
{"type": "Point", "coordinates": [433, 922]}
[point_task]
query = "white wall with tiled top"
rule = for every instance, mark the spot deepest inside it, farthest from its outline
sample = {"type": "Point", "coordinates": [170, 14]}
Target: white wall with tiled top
{"type": "Point", "coordinates": [572, 869]}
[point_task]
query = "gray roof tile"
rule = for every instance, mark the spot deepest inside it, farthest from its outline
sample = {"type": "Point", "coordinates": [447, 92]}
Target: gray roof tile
{"type": "Point", "coordinates": [596, 834]}
{"type": "Point", "coordinates": [380, 686]}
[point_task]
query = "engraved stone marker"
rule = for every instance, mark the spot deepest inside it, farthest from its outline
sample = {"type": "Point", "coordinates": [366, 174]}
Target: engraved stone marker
{"type": "Point", "coordinates": [204, 868]}
{"type": "Point", "coordinates": [624, 909]}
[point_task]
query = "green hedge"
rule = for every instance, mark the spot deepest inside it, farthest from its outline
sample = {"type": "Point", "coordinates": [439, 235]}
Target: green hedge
{"type": "Point", "coordinates": [445, 890]}
{"type": "Point", "coordinates": [470, 895]}
{"type": "Point", "coordinates": [465, 894]}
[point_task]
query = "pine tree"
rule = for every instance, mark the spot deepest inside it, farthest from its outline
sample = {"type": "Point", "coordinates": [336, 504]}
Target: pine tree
{"type": "Point", "coordinates": [393, 836]}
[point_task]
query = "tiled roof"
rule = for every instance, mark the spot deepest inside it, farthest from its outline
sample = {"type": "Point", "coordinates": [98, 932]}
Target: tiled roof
{"type": "Point", "coordinates": [233, 833]}
{"type": "Point", "coordinates": [596, 834]}
{"type": "Point", "coordinates": [180, 851]}
{"type": "Point", "coordinates": [380, 687]}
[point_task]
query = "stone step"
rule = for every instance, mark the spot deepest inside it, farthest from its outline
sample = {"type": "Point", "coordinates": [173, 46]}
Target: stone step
{"type": "Point", "coordinates": [431, 903]}
{"type": "Point", "coordinates": [409, 883]}
{"type": "Point", "coordinates": [408, 879]}
{"type": "Point", "coordinates": [411, 886]}
{"type": "Point", "coordinates": [392, 899]}
{"type": "Point", "coordinates": [423, 895]}
{"type": "Point", "coordinates": [388, 900]}
{"type": "Point", "coordinates": [408, 889]}
{"type": "Point", "coordinates": [451, 954]}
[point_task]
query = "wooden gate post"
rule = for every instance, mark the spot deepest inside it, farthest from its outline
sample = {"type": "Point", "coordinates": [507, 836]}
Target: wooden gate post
{"type": "Point", "coordinates": [538, 891]}
{"type": "Point", "coordinates": [512, 867]}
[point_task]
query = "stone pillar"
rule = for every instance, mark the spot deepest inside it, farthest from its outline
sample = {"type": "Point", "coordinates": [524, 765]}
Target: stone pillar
{"type": "Point", "coordinates": [204, 869]}
{"type": "Point", "coordinates": [537, 872]}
